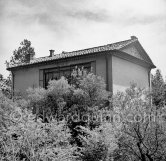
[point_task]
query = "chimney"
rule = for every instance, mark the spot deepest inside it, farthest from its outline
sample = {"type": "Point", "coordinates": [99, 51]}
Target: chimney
{"type": "Point", "coordinates": [133, 37]}
{"type": "Point", "coordinates": [51, 53]}
{"type": "Point", "coordinates": [29, 57]}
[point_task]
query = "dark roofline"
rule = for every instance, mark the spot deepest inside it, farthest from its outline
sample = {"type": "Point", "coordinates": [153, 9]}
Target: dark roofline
{"type": "Point", "coordinates": [82, 52]}
{"type": "Point", "coordinates": [54, 60]}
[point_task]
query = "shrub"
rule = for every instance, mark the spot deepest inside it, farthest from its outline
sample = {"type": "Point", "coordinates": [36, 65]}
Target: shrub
{"type": "Point", "coordinates": [99, 143]}
{"type": "Point", "coordinates": [62, 98]}
{"type": "Point", "coordinates": [83, 96]}
{"type": "Point", "coordinates": [143, 130]}
{"type": "Point", "coordinates": [24, 138]}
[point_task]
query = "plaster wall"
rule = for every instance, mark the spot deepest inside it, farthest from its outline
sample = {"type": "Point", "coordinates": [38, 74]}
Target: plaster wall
{"type": "Point", "coordinates": [25, 78]}
{"type": "Point", "coordinates": [125, 72]}
{"type": "Point", "coordinates": [29, 77]}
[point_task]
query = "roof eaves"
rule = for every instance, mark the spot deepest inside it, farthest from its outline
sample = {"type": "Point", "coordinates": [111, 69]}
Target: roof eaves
{"type": "Point", "coordinates": [108, 47]}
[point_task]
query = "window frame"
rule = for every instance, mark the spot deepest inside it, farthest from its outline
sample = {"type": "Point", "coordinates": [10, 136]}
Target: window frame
{"type": "Point", "coordinates": [58, 70]}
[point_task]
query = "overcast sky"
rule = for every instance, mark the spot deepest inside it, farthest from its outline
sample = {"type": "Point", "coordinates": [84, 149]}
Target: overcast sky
{"type": "Point", "coordinates": [66, 25]}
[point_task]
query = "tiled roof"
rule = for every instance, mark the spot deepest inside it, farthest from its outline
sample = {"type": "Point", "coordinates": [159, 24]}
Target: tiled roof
{"type": "Point", "coordinates": [108, 47]}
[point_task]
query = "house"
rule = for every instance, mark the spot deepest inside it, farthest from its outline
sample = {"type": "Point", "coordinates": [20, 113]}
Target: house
{"type": "Point", "coordinates": [118, 63]}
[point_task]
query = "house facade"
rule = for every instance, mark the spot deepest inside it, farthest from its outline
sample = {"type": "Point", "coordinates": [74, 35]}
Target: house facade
{"type": "Point", "coordinates": [119, 64]}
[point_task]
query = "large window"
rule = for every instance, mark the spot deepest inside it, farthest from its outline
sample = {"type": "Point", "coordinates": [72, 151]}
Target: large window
{"type": "Point", "coordinates": [58, 72]}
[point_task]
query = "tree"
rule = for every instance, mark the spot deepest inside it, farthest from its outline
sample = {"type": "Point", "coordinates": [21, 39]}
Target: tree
{"type": "Point", "coordinates": [143, 130]}
{"type": "Point", "coordinates": [33, 138]}
{"type": "Point", "coordinates": [24, 138]}
{"type": "Point", "coordinates": [23, 53]}
{"type": "Point", "coordinates": [99, 143]}
{"type": "Point", "coordinates": [85, 93]}
{"type": "Point", "coordinates": [130, 129]}
{"type": "Point", "coordinates": [76, 102]}
{"type": "Point", "coordinates": [158, 89]}
{"type": "Point", "coordinates": [5, 85]}
{"type": "Point", "coordinates": [1, 77]}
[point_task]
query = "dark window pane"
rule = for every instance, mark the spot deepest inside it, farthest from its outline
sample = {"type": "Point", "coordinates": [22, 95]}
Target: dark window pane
{"type": "Point", "coordinates": [57, 73]}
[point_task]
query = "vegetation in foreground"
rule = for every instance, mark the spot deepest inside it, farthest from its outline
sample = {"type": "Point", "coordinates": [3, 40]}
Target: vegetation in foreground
{"type": "Point", "coordinates": [81, 121]}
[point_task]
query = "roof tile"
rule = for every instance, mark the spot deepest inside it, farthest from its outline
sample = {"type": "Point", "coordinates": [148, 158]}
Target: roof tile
{"type": "Point", "coordinates": [108, 47]}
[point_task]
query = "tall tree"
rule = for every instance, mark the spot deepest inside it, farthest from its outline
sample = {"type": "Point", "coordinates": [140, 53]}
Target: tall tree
{"type": "Point", "coordinates": [143, 131]}
{"type": "Point", "coordinates": [158, 89]}
{"type": "Point", "coordinates": [23, 53]}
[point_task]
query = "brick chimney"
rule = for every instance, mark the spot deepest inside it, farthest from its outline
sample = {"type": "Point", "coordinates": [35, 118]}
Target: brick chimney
{"type": "Point", "coordinates": [51, 53]}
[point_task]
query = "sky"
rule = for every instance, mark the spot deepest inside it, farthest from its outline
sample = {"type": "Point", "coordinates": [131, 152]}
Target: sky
{"type": "Point", "coordinates": [67, 25]}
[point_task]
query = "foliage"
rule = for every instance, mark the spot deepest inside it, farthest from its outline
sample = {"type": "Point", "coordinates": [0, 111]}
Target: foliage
{"type": "Point", "coordinates": [84, 95]}
{"type": "Point", "coordinates": [93, 145]}
{"type": "Point", "coordinates": [52, 120]}
{"type": "Point", "coordinates": [61, 98]}
{"type": "Point", "coordinates": [6, 107]}
{"type": "Point", "coordinates": [158, 89]}
{"type": "Point", "coordinates": [143, 134]}
{"type": "Point", "coordinates": [21, 55]}
{"type": "Point", "coordinates": [1, 77]}
{"type": "Point", "coordinates": [99, 143]}
{"type": "Point", "coordinates": [23, 138]}
{"type": "Point", "coordinates": [5, 86]}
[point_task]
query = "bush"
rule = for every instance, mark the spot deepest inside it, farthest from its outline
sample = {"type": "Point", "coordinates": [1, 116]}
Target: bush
{"type": "Point", "coordinates": [5, 88]}
{"type": "Point", "coordinates": [62, 98]}
{"type": "Point", "coordinates": [43, 126]}
{"type": "Point", "coordinates": [85, 95]}
{"type": "Point", "coordinates": [99, 143]}
{"type": "Point", "coordinates": [143, 129]}
{"type": "Point", "coordinates": [24, 138]}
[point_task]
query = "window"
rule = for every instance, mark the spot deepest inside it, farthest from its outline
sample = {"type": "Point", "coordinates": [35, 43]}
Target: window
{"type": "Point", "coordinates": [58, 72]}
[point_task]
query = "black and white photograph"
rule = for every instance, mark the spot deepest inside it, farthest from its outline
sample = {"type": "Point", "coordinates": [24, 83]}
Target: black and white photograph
{"type": "Point", "coordinates": [82, 80]}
